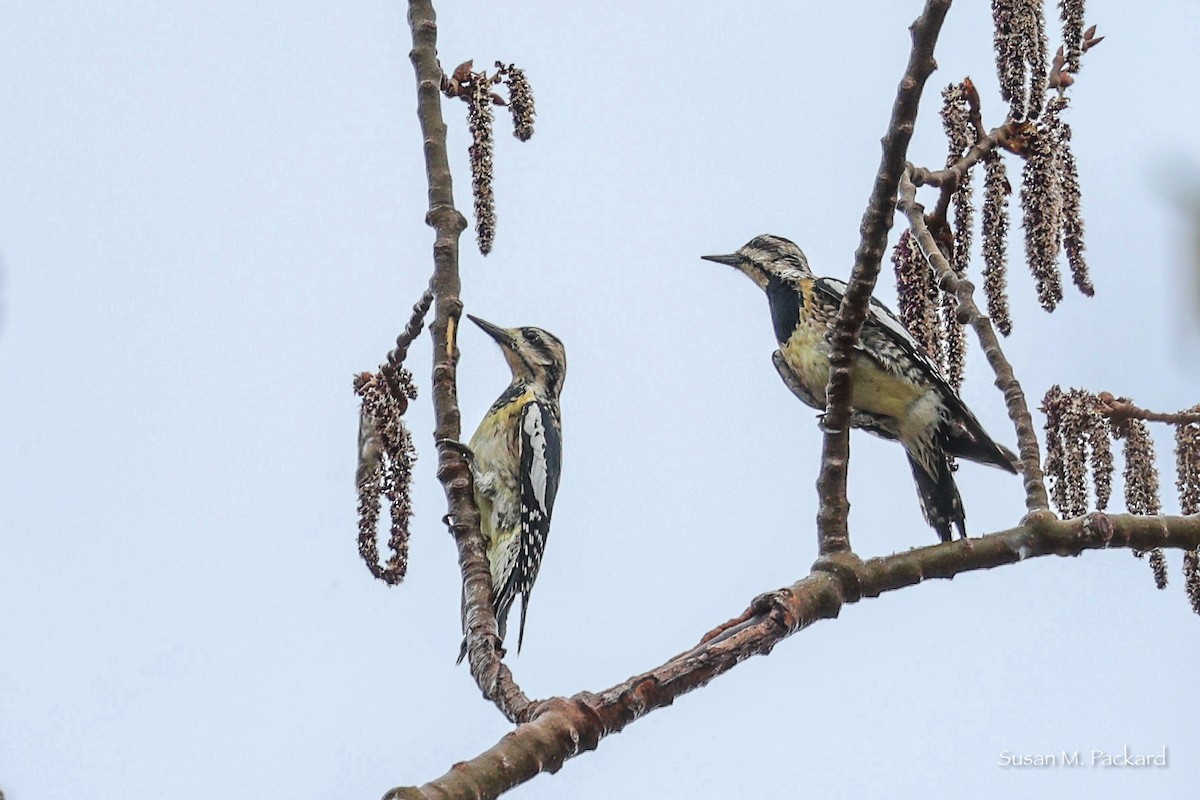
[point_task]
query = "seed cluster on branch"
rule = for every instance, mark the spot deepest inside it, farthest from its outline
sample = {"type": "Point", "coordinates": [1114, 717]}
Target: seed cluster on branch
{"type": "Point", "coordinates": [386, 453]}
{"type": "Point", "coordinates": [475, 89]}
{"type": "Point", "coordinates": [1080, 426]}
{"type": "Point", "coordinates": [1050, 204]}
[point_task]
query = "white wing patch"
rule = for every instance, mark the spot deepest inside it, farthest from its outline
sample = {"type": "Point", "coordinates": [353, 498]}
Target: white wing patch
{"type": "Point", "coordinates": [538, 469]}
{"type": "Point", "coordinates": [883, 315]}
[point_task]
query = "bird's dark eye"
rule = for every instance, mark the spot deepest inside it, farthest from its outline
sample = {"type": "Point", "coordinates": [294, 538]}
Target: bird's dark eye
{"type": "Point", "coordinates": [532, 337]}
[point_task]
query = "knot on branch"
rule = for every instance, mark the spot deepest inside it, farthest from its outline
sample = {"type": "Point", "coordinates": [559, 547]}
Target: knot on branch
{"type": "Point", "coordinates": [574, 720]}
{"type": "Point", "coordinates": [445, 217]}
{"type": "Point", "coordinates": [846, 569]}
{"type": "Point", "coordinates": [1098, 527]}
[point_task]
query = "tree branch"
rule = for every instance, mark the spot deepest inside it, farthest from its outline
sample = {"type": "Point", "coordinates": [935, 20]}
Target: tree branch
{"type": "Point", "coordinates": [564, 728]}
{"type": "Point", "coordinates": [494, 678]}
{"type": "Point", "coordinates": [834, 508]}
{"type": "Point", "coordinates": [952, 176]}
{"type": "Point", "coordinates": [1036, 499]}
{"type": "Point", "coordinates": [1119, 410]}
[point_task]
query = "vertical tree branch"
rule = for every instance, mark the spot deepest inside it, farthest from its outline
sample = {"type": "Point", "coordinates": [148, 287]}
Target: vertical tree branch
{"type": "Point", "coordinates": [834, 507]}
{"type": "Point", "coordinates": [1018, 410]}
{"type": "Point", "coordinates": [493, 677]}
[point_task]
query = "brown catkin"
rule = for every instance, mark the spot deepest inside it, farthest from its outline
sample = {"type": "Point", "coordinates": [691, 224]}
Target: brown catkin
{"type": "Point", "coordinates": [994, 224]}
{"type": "Point", "coordinates": [1042, 204]}
{"type": "Point", "coordinates": [479, 114]}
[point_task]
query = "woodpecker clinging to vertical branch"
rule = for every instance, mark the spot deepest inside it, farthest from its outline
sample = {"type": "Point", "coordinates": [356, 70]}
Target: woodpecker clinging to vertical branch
{"type": "Point", "coordinates": [899, 393]}
{"type": "Point", "coordinates": [516, 462]}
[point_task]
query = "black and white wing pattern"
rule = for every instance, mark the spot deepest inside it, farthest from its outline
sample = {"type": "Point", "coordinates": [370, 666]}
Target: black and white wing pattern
{"type": "Point", "coordinates": [541, 467]}
{"type": "Point", "coordinates": [882, 322]}
{"type": "Point", "coordinates": [891, 345]}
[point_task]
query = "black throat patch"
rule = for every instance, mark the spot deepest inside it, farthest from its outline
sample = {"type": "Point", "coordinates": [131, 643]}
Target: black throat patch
{"type": "Point", "coordinates": [785, 308]}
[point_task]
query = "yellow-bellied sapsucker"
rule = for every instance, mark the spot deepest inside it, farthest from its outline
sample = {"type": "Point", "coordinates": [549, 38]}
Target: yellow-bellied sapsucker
{"type": "Point", "coordinates": [899, 393]}
{"type": "Point", "coordinates": [516, 462]}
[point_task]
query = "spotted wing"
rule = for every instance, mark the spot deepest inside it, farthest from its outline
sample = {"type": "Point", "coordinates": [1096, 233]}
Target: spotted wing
{"type": "Point", "coordinates": [541, 466]}
{"type": "Point", "coordinates": [890, 344]}
{"type": "Point", "coordinates": [882, 323]}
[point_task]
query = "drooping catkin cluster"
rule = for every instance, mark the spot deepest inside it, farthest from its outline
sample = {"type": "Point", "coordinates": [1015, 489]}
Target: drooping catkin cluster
{"type": "Point", "coordinates": [961, 121]}
{"type": "Point", "coordinates": [917, 294]}
{"type": "Point", "coordinates": [1141, 482]}
{"type": "Point", "coordinates": [520, 99]}
{"type": "Point", "coordinates": [1079, 422]}
{"type": "Point", "coordinates": [1072, 213]}
{"type": "Point", "coordinates": [921, 303]}
{"type": "Point", "coordinates": [1077, 438]}
{"type": "Point", "coordinates": [1050, 202]}
{"type": "Point", "coordinates": [1187, 464]}
{"type": "Point", "coordinates": [1187, 481]}
{"type": "Point", "coordinates": [475, 88]}
{"type": "Point", "coordinates": [1019, 38]}
{"type": "Point", "coordinates": [994, 229]}
{"type": "Point", "coordinates": [481, 151]}
{"type": "Point", "coordinates": [386, 453]}
{"type": "Point", "coordinates": [1141, 475]}
{"type": "Point", "coordinates": [1071, 14]}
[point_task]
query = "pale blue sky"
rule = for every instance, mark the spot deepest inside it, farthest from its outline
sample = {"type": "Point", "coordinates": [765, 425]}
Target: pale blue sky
{"type": "Point", "coordinates": [211, 217]}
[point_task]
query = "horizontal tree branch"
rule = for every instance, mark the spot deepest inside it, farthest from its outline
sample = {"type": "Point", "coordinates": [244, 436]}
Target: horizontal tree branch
{"type": "Point", "coordinates": [562, 728]}
{"type": "Point", "coordinates": [1118, 410]}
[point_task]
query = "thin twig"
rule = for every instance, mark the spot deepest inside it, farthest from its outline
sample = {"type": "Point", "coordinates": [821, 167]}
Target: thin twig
{"type": "Point", "coordinates": [834, 508]}
{"type": "Point", "coordinates": [952, 176]}
{"type": "Point", "coordinates": [1118, 410]}
{"type": "Point", "coordinates": [494, 678]}
{"type": "Point", "coordinates": [564, 728]}
{"type": "Point", "coordinates": [963, 290]}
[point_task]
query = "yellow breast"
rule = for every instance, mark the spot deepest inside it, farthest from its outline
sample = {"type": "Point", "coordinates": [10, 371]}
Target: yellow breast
{"type": "Point", "coordinates": [876, 390]}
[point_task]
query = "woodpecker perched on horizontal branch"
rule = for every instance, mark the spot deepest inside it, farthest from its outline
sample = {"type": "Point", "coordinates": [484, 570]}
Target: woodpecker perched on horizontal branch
{"type": "Point", "coordinates": [516, 460]}
{"type": "Point", "coordinates": [899, 393]}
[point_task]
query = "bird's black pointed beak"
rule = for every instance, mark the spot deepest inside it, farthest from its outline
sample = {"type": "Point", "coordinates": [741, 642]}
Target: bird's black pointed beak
{"type": "Point", "coordinates": [502, 335]}
{"type": "Point", "coordinates": [731, 260]}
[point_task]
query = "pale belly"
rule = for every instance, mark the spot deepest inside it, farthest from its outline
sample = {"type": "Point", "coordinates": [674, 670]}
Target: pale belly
{"type": "Point", "coordinates": [497, 488]}
{"type": "Point", "coordinates": [876, 390]}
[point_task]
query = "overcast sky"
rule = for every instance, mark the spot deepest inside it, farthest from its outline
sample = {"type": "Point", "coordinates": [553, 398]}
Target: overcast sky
{"type": "Point", "coordinates": [211, 216]}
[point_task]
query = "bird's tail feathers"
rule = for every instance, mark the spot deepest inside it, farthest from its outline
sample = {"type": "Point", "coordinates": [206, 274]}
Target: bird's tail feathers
{"type": "Point", "coordinates": [521, 630]}
{"type": "Point", "coordinates": [967, 439]}
{"type": "Point", "coordinates": [940, 500]}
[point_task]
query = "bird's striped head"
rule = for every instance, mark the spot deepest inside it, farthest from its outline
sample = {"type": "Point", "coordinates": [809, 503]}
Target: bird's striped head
{"type": "Point", "coordinates": [765, 256]}
{"type": "Point", "coordinates": [535, 356]}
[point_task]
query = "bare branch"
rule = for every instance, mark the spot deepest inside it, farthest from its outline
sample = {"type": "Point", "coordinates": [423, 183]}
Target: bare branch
{"type": "Point", "coordinates": [834, 508]}
{"type": "Point", "coordinates": [493, 677]}
{"type": "Point", "coordinates": [564, 728]}
{"type": "Point", "coordinates": [1014, 397]}
{"type": "Point", "coordinates": [1118, 409]}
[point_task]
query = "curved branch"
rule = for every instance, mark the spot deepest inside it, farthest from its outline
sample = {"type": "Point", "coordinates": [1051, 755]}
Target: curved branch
{"type": "Point", "coordinates": [564, 728]}
{"type": "Point", "coordinates": [1006, 381]}
{"type": "Point", "coordinates": [494, 678]}
{"type": "Point", "coordinates": [952, 176]}
{"type": "Point", "coordinates": [834, 508]}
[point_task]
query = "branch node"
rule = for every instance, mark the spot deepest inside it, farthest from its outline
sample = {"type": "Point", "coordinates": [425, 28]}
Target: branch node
{"type": "Point", "coordinates": [1098, 527]}
{"type": "Point", "coordinates": [846, 569]}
